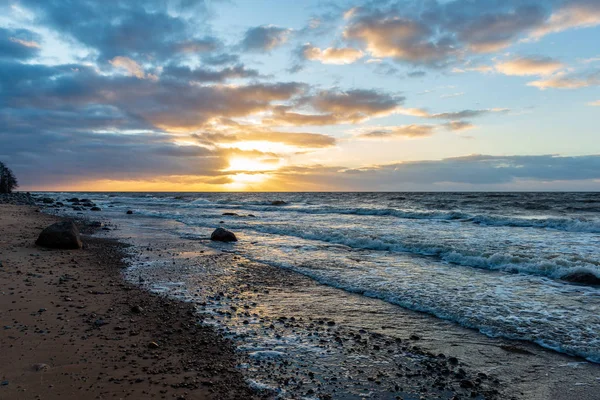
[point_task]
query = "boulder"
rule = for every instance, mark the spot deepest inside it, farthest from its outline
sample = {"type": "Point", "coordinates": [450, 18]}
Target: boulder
{"type": "Point", "coordinates": [47, 200]}
{"type": "Point", "coordinates": [223, 235]}
{"type": "Point", "coordinates": [61, 235]}
{"type": "Point", "coordinates": [278, 202]}
{"type": "Point", "coordinates": [73, 200]}
{"type": "Point", "coordinates": [95, 209]}
{"type": "Point", "coordinates": [129, 212]}
{"type": "Point", "coordinates": [584, 277]}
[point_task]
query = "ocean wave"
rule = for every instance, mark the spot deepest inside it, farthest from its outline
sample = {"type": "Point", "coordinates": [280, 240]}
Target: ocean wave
{"type": "Point", "coordinates": [584, 225]}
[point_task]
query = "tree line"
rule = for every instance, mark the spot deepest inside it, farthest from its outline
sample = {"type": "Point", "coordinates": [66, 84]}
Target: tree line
{"type": "Point", "coordinates": [8, 180]}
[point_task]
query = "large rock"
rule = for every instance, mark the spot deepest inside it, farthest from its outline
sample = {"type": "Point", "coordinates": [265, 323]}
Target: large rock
{"type": "Point", "coordinates": [61, 235]}
{"type": "Point", "coordinates": [223, 235]}
{"type": "Point", "coordinates": [584, 277]}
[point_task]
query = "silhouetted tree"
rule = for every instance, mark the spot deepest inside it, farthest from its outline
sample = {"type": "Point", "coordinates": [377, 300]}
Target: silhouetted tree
{"type": "Point", "coordinates": [8, 181]}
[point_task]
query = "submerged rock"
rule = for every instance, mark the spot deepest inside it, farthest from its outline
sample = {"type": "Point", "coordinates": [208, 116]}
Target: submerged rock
{"type": "Point", "coordinates": [223, 235]}
{"type": "Point", "coordinates": [230, 214]}
{"type": "Point", "coordinates": [278, 202]}
{"type": "Point", "coordinates": [129, 212]}
{"type": "Point", "coordinates": [587, 278]}
{"type": "Point", "coordinates": [95, 209]}
{"type": "Point", "coordinates": [61, 235]}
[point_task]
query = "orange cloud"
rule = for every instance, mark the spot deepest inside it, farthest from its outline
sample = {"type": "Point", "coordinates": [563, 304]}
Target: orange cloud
{"type": "Point", "coordinates": [332, 55]}
{"type": "Point", "coordinates": [562, 80]}
{"type": "Point", "coordinates": [575, 15]}
{"type": "Point", "coordinates": [529, 66]}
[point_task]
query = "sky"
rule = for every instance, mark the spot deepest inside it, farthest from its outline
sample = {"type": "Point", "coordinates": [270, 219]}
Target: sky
{"type": "Point", "coordinates": [249, 95]}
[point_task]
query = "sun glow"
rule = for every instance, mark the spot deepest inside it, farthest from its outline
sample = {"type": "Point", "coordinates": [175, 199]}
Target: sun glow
{"type": "Point", "coordinates": [261, 145]}
{"type": "Point", "coordinates": [253, 165]}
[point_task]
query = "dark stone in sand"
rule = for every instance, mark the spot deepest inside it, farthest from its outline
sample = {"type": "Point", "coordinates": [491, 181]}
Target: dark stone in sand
{"type": "Point", "coordinates": [129, 212]}
{"type": "Point", "coordinates": [137, 309]}
{"type": "Point", "coordinates": [223, 235]}
{"type": "Point", "coordinates": [61, 235]}
{"type": "Point", "coordinates": [278, 202]}
{"type": "Point", "coordinates": [467, 384]}
{"type": "Point", "coordinates": [582, 277]}
{"type": "Point", "coordinates": [95, 209]}
{"type": "Point", "coordinates": [153, 345]}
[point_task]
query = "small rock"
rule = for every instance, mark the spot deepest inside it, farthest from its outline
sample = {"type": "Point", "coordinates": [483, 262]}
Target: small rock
{"type": "Point", "coordinates": [95, 209]}
{"type": "Point", "coordinates": [153, 345]}
{"type": "Point", "coordinates": [223, 235]}
{"type": "Point", "coordinates": [278, 203]}
{"type": "Point", "coordinates": [583, 277]}
{"type": "Point", "coordinates": [41, 367]}
{"type": "Point", "coordinates": [137, 310]}
{"type": "Point", "coordinates": [129, 212]}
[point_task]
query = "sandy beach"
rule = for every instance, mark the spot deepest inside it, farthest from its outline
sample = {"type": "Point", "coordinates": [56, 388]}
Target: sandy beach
{"type": "Point", "coordinates": [71, 328]}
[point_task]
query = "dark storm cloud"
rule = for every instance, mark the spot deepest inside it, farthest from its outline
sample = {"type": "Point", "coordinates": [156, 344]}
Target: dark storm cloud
{"type": "Point", "coordinates": [18, 44]}
{"type": "Point", "coordinates": [264, 38]}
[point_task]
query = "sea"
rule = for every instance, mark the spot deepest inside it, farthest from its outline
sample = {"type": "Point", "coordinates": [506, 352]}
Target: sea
{"type": "Point", "coordinates": [516, 266]}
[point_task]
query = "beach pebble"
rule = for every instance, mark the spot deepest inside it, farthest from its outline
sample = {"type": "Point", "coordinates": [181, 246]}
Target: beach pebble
{"type": "Point", "coordinates": [223, 235]}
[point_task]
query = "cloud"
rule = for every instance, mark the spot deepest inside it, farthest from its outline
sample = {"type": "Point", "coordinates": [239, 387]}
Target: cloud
{"type": "Point", "coordinates": [492, 29]}
{"type": "Point", "coordinates": [132, 67]}
{"type": "Point", "coordinates": [208, 75]}
{"type": "Point", "coordinates": [437, 34]}
{"type": "Point", "coordinates": [332, 107]}
{"type": "Point", "coordinates": [151, 30]}
{"type": "Point", "coordinates": [523, 66]}
{"type": "Point", "coordinates": [458, 115]}
{"type": "Point", "coordinates": [474, 172]}
{"type": "Point", "coordinates": [265, 38]}
{"type": "Point", "coordinates": [245, 133]}
{"type": "Point", "coordinates": [403, 39]}
{"type": "Point", "coordinates": [458, 126]}
{"type": "Point", "coordinates": [563, 80]}
{"type": "Point", "coordinates": [166, 104]}
{"type": "Point", "coordinates": [572, 14]}
{"type": "Point", "coordinates": [403, 131]}
{"type": "Point", "coordinates": [20, 44]}
{"type": "Point", "coordinates": [331, 55]}
{"type": "Point", "coordinates": [594, 103]}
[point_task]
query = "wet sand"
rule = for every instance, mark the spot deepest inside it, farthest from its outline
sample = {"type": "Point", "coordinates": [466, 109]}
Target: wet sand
{"type": "Point", "coordinates": [364, 344]}
{"type": "Point", "coordinates": [71, 328]}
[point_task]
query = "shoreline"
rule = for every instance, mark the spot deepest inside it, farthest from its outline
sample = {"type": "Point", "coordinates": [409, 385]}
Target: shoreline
{"type": "Point", "coordinates": [72, 327]}
{"type": "Point", "coordinates": [539, 374]}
